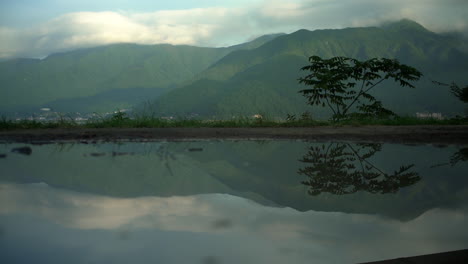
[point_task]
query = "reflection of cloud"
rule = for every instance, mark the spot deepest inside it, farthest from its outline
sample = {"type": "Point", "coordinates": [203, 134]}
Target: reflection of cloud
{"type": "Point", "coordinates": [309, 234]}
{"type": "Point", "coordinates": [218, 26]}
{"type": "Point", "coordinates": [88, 212]}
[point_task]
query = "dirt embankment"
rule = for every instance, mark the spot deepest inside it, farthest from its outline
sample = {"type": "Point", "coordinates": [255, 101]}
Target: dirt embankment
{"type": "Point", "coordinates": [395, 134]}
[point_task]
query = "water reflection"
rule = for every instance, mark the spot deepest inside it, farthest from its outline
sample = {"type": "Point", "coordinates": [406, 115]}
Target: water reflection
{"type": "Point", "coordinates": [43, 224]}
{"type": "Point", "coordinates": [230, 202]}
{"type": "Point", "coordinates": [261, 171]}
{"type": "Point", "coordinates": [22, 150]}
{"type": "Point", "coordinates": [345, 168]}
{"type": "Point", "coordinates": [459, 156]}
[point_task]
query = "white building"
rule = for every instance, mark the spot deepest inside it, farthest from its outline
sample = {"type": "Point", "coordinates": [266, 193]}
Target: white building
{"type": "Point", "coordinates": [430, 115]}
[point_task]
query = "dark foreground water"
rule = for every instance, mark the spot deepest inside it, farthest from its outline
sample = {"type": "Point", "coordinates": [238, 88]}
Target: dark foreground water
{"type": "Point", "coordinates": [216, 202]}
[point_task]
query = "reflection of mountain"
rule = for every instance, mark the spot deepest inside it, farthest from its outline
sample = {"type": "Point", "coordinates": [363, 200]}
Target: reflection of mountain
{"type": "Point", "coordinates": [189, 228]}
{"type": "Point", "coordinates": [340, 168]}
{"type": "Point", "coordinates": [260, 171]}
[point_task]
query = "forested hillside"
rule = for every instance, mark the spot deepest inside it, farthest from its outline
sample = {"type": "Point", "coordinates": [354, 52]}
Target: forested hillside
{"type": "Point", "coordinates": [264, 80]}
{"type": "Point", "coordinates": [89, 79]}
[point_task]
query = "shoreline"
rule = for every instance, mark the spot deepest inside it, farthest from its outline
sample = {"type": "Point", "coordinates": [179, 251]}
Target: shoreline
{"type": "Point", "coordinates": [446, 134]}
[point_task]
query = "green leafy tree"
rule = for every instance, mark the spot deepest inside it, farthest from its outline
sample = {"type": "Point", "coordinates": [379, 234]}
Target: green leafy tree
{"type": "Point", "coordinates": [343, 83]}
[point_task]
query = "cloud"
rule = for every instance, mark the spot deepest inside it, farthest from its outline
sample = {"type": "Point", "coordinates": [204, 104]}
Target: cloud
{"type": "Point", "coordinates": [86, 29]}
{"type": "Point", "coordinates": [222, 26]}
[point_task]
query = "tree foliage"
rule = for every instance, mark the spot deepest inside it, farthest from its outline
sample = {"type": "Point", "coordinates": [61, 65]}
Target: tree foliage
{"type": "Point", "coordinates": [460, 92]}
{"type": "Point", "coordinates": [341, 83]}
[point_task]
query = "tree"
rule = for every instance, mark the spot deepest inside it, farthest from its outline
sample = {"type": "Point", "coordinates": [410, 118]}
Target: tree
{"type": "Point", "coordinates": [460, 93]}
{"type": "Point", "coordinates": [341, 83]}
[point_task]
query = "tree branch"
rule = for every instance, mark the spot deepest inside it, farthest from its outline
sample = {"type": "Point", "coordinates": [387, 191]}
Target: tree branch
{"type": "Point", "coordinates": [329, 105]}
{"type": "Point", "coordinates": [355, 98]}
{"type": "Point", "coordinates": [361, 93]}
{"type": "Point", "coordinates": [381, 80]}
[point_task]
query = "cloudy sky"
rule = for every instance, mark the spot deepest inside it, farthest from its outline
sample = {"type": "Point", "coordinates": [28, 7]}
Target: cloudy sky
{"type": "Point", "coordinates": [36, 28]}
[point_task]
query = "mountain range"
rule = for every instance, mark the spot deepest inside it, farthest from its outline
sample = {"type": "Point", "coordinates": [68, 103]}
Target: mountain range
{"type": "Point", "coordinates": [104, 78]}
{"type": "Point", "coordinates": [257, 77]}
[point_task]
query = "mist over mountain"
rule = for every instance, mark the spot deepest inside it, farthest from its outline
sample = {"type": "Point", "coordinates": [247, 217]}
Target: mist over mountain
{"type": "Point", "coordinates": [251, 78]}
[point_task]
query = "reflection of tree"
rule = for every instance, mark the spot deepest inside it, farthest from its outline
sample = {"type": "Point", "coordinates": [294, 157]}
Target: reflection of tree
{"type": "Point", "coordinates": [461, 155]}
{"type": "Point", "coordinates": [343, 168]}
{"type": "Point", "coordinates": [165, 156]}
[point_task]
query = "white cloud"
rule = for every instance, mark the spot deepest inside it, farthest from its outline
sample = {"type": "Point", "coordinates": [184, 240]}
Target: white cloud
{"type": "Point", "coordinates": [221, 26]}
{"type": "Point", "coordinates": [281, 9]}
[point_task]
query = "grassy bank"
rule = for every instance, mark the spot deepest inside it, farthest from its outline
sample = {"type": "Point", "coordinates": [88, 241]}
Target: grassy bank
{"type": "Point", "coordinates": [121, 121]}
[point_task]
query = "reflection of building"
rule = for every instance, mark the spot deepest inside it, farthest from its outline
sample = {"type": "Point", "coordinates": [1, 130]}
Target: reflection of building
{"type": "Point", "coordinates": [430, 115]}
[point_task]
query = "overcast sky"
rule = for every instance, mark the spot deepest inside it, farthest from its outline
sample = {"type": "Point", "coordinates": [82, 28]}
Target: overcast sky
{"type": "Point", "coordinates": [36, 28]}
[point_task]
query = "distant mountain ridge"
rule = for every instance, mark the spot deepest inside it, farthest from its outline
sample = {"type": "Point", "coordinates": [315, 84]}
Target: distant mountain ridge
{"type": "Point", "coordinates": [255, 77]}
{"type": "Point", "coordinates": [80, 74]}
{"type": "Point", "coordinates": [264, 80]}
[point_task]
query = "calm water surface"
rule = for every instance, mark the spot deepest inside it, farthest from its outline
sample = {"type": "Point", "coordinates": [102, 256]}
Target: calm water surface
{"type": "Point", "coordinates": [218, 202]}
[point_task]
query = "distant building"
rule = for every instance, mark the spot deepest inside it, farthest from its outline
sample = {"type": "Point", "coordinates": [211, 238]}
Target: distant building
{"type": "Point", "coordinates": [430, 115]}
{"type": "Point", "coordinates": [45, 109]}
{"type": "Point", "coordinates": [122, 111]}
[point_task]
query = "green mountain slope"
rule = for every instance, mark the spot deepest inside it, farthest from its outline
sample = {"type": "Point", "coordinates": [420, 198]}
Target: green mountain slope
{"type": "Point", "coordinates": [254, 91]}
{"type": "Point", "coordinates": [264, 80]}
{"type": "Point", "coordinates": [90, 72]}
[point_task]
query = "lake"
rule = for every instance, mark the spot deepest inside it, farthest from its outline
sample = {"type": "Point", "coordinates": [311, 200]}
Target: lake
{"type": "Point", "coordinates": [213, 202]}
